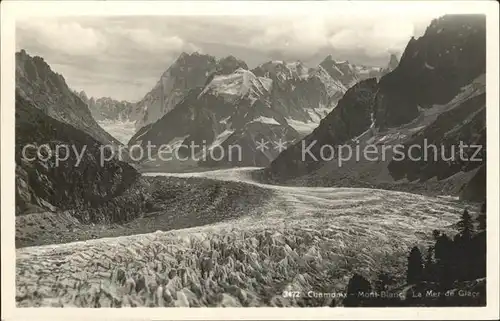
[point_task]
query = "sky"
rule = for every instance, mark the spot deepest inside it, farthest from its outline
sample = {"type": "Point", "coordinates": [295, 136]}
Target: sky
{"type": "Point", "coordinates": [122, 57]}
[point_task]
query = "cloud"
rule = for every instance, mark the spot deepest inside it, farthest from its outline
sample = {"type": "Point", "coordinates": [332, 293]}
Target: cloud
{"type": "Point", "coordinates": [67, 37]}
{"type": "Point", "coordinates": [123, 56]}
{"type": "Point", "coordinates": [374, 40]}
{"type": "Point", "coordinates": [301, 36]}
{"type": "Point", "coordinates": [146, 40]}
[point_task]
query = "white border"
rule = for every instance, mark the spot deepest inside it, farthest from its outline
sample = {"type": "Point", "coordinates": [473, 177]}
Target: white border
{"type": "Point", "coordinates": [10, 10]}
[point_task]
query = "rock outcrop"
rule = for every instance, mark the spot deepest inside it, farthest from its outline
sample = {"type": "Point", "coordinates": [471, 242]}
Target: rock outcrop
{"type": "Point", "coordinates": [106, 108]}
{"type": "Point", "coordinates": [48, 92]}
{"type": "Point", "coordinates": [352, 116]}
{"type": "Point", "coordinates": [188, 72]}
{"type": "Point", "coordinates": [435, 94]}
{"type": "Point", "coordinates": [274, 101]}
{"type": "Point", "coordinates": [76, 181]}
{"type": "Point", "coordinates": [433, 68]}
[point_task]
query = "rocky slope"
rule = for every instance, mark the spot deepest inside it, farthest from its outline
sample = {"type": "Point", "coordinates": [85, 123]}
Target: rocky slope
{"type": "Point", "coordinates": [351, 117]}
{"type": "Point", "coordinates": [44, 184]}
{"type": "Point", "coordinates": [433, 68]}
{"type": "Point", "coordinates": [189, 71]}
{"type": "Point", "coordinates": [274, 101]}
{"type": "Point", "coordinates": [301, 93]}
{"type": "Point", "coordinates": [48, 92]}
{"type": "Point", "coordinates": [106, 108]}
{"type": "Point", "coordinates": [436, 93]}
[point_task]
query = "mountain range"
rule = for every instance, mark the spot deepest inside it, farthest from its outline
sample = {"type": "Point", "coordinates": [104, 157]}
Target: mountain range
{"type": "Point", "coordinates": [47, 91]}
{"type": "Point", "coordinates": [436, 92]}
{"type": "Point", "coordinates": [49, 113]}
{"type": "Point", "coordinates": [107, 108]}
{"type": "Point", "coordinates": [191, 71]}
{"type": "Point", "coordinates": [296, 213]}
{"type": "Point", "coordinates": [220, 102]}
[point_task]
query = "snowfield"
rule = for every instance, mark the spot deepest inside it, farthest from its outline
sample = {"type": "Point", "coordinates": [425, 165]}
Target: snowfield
{"type": "Point", "coordinates": [310, 239]}
{"type": "Point", "coordinates": [241, 83]}
{"type": "Point", "coordinates": [121, 130]}
{"type": "Point", "coordinates": [265, 120]}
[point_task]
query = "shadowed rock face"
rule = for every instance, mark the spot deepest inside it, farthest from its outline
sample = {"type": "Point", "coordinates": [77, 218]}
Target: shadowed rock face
{"type": "Point", "coordinates": [351, 117]}
{"type": "Point", "coordinates": [246, 139]}
{"type": "Point", "coordinates": [229, 64]}
{"type": "Point", "coordinates": [343, 71]}
{"type": "Point", "coordinates": [243, 107]}
{"type": "Point", "coordinates": [297, 89]}
{"type": "Point", "coordinates": [106, 108]}
{"type": "Point", "coordinates": [48, 92]}
{"type": "Point", "coordinates": [439, 74]}
{"type": "Point", "coordinates": [475, 189]}
{"type": "Point", "coordinates": [188, 72]}
{"type": "Point", "coordinates": [433, 68]}
{"type": "Point", "coordinates": [43, 185]}
{"type": "Point", "coordinates": [465, 123]}
{"type": "Point", "coordinates": [393, 63]}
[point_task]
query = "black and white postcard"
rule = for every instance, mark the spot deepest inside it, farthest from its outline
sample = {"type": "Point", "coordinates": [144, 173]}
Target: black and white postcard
{"type": "Point", "coordinates": [261, 158]}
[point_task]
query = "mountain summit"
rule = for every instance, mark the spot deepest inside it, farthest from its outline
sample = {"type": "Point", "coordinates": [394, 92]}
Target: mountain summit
{"type": "Point", "coordinates": [189, 71]}
{"type": "Point", "coordinates": [241, 107]}
{"type": "Point", "coordinates": [435, 93]}
{"type": "Point", "coordinates": [46, 90]}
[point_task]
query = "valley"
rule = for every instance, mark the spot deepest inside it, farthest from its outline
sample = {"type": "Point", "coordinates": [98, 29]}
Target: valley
{"type": "Point", "coordinates": [141, 231]}
{"type": "Point", "coordinates": [286, 237]}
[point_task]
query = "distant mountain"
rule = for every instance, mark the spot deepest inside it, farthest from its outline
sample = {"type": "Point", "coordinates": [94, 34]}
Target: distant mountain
{"type": "Point", "coordinates": [274, 100]}
{"type": "Point", "coordinates": [436, 92]}
{"type": "Point", "coordinates": [287, 96]}
{"type": "Point", "coordinates": [48, 92]}
{"type": "Point", "coordinates": [301, 93]}
{"type": "Point", "coordinates": [106, 108]}
{"type": "Point", "coordinates": [189, 71]}
{"type": "Point", "coordinates": [350, 74]}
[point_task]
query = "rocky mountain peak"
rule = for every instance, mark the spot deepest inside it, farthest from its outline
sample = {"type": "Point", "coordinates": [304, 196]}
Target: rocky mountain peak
{"type": "Point", "coordinates": [229, 64]}
{"type": "Point", "coordinates": [393, 62]}
{"type": "Point", "coordinates": [185, 58]}
{"type": "Point", "coordinates": [328, 58]}
{"type": "Point", "coordinates": [433, 68]}
{"type": "Point", "coordinates": [342, 71]}
{"type": "Point", "coordinates": [436, 93]}
{"type": "Point", "coordinates": [189, 71]}
{"type": "Point", "coordinates": [233, 60]}
{"type": "Point", "coordinates": [107, 108]}
{"type": "Point", "coordinates": [83, 95]}
{"type": "Point", "coordinates": [47, 90]}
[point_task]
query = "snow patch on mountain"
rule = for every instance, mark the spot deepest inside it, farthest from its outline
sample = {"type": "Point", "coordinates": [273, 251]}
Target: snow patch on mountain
{"type": "Point", "coordinates": [370, 130]}
{"type": "Point", "coordinates": [177, 141]}
{"type": "Point", "coordinates": [224, 120]}
{"type": "Point", "coordinates": [265, 120]}
{"type": "Point", "coordinates": [221, 138]}
{"type": "Point", "coordinates": [301, 127]}
{"type": "Point", "coordinates": [429, 66]}
{"type": "Point", "coordinates": [242, 83]}
{"type": "Point", "coordinates": [319, 113]}
{"type": "Point", "coordinates": [333, 86]}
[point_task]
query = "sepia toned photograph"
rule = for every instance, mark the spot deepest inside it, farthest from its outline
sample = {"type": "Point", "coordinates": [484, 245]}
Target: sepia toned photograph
{"type": "Point", "coordinates": [332, 158]}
